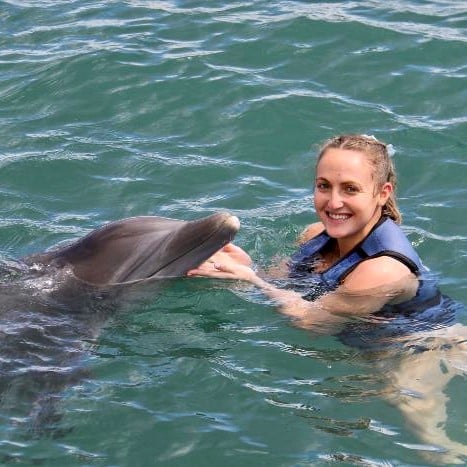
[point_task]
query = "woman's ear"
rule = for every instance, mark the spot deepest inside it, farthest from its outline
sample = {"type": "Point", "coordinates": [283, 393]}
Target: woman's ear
{"type": "Point", "coordinates": [384, 193]}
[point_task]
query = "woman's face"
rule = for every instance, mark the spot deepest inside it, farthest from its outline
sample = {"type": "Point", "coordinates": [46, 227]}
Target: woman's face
{"type": "Point", "coordinates": [346, 197]}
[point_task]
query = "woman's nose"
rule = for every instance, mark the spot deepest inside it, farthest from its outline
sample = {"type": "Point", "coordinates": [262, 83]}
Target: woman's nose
{"type": "Point", "coordinates": [335, 200]}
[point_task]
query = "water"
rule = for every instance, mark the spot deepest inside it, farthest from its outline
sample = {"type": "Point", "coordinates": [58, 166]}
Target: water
{"type": "Point", "coordinates": [183, 108]}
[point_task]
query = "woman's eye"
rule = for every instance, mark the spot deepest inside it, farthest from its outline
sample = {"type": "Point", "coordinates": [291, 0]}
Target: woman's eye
{"type": "Point", "coordinates": [322, 186]}
{"type": "Point", "coordinates": [351, 189]}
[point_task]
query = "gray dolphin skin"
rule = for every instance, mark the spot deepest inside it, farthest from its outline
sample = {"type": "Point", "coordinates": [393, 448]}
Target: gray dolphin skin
{"type": "Point", "coordinates": [54, 304]}
{"type": "Point", "coordinates": [141, 248]}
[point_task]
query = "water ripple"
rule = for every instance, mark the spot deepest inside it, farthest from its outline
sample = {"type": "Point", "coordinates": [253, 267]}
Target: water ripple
{"type": "Point", "coordinates": [111, 109]}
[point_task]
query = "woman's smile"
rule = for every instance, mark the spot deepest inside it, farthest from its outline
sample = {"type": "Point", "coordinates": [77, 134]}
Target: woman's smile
{"type": "Point", "coordinates": [338, 216]}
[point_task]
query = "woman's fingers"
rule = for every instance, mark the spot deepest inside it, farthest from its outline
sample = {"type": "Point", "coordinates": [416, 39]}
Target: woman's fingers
{"type": "Point", "coordinates": [223, 270]}
{"type": "Point", "coordinates": [214, 270]}
{"type": "Point", "coordinates": [231, 262]}
{"type": "Point", "coordinates": [238, 254]}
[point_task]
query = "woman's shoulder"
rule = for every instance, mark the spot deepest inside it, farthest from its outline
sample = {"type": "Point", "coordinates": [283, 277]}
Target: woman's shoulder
{"type": "Point", "coordinates": [376, 272]}
{"type": "Point", "coordinates": [312, 231]}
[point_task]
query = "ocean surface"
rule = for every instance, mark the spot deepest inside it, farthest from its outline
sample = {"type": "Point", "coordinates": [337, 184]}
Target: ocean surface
{"type": "Point", "coordinates": [181, 108]}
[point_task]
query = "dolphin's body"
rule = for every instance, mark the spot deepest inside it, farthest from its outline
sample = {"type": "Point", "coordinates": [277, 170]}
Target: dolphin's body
{"type": "Point", "coordinates": [141, 248]}
{"type": "Point", "coordinates": [54, 304]}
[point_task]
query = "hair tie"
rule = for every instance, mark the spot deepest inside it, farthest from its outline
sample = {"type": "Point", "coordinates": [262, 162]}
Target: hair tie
{"type": "Point", "coordinates": [372, 137]}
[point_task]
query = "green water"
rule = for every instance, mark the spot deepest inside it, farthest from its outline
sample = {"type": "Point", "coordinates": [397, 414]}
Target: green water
{"type": "Point", "coordinates": [183, 108]}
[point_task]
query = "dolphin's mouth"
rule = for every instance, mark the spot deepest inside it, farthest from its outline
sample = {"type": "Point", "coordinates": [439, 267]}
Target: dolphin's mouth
{"type": "Point", "coordinates": [231, 224]}
{"type": "Point", "coordinates": [221, 232]}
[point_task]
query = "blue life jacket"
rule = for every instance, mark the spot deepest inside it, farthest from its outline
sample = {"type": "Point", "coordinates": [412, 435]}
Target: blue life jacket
{"type": "Point", "coordinates": [385, 239]}
{"type": "Point", "coordinates": [428, 309]}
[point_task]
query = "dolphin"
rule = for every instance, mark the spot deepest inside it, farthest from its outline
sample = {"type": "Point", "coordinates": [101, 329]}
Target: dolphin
{"type": "Point", "coordinates": [54, 304]}
{"type": "Point", "coordinates": [140, 248]}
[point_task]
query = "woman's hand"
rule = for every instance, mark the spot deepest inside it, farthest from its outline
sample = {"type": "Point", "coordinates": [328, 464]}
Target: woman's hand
{"type": "Point", "coordinates": [234, 253]}
{"type": "Point", "coordinates": [224, 270]}
{"type": "Point", "coordinates": [231, 262]}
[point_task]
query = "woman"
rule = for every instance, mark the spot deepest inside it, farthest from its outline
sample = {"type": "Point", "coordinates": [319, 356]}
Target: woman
{"type": "Point", "coordinates": [357, 262]}
{"type": "Point", "coordinates": [356, 254]}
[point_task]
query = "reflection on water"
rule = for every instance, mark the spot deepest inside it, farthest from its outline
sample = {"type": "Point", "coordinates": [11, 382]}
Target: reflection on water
{"type": "Point", "coordinates": [419, 352]}
{"type": "Point", "coordinates": [416, 346]}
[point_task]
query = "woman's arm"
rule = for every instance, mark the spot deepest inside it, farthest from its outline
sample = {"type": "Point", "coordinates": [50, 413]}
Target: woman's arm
{"type": "Point", "coordinates": [367, 289]}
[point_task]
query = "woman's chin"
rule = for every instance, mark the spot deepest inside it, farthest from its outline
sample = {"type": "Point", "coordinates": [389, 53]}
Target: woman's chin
{"type": "Point", "coordinates": [338, 229]}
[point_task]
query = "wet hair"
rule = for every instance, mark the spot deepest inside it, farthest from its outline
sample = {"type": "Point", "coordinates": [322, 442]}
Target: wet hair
{"type": "Point", "coordinates": [379, 158]}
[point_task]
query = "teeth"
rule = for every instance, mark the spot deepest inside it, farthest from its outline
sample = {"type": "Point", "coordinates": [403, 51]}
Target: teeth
{"type": "Point", "coordinates": [338, 217]}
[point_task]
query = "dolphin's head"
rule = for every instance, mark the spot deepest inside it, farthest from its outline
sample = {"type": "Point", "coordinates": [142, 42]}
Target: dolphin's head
{"type": "Point", "coordinates": [141, 248]}
{"type": "Point", "coordinates": [194, 242]}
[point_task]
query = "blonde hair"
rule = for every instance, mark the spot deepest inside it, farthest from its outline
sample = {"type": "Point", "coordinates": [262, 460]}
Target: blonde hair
{"type": "Point", "coordinates": [378, 156]}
